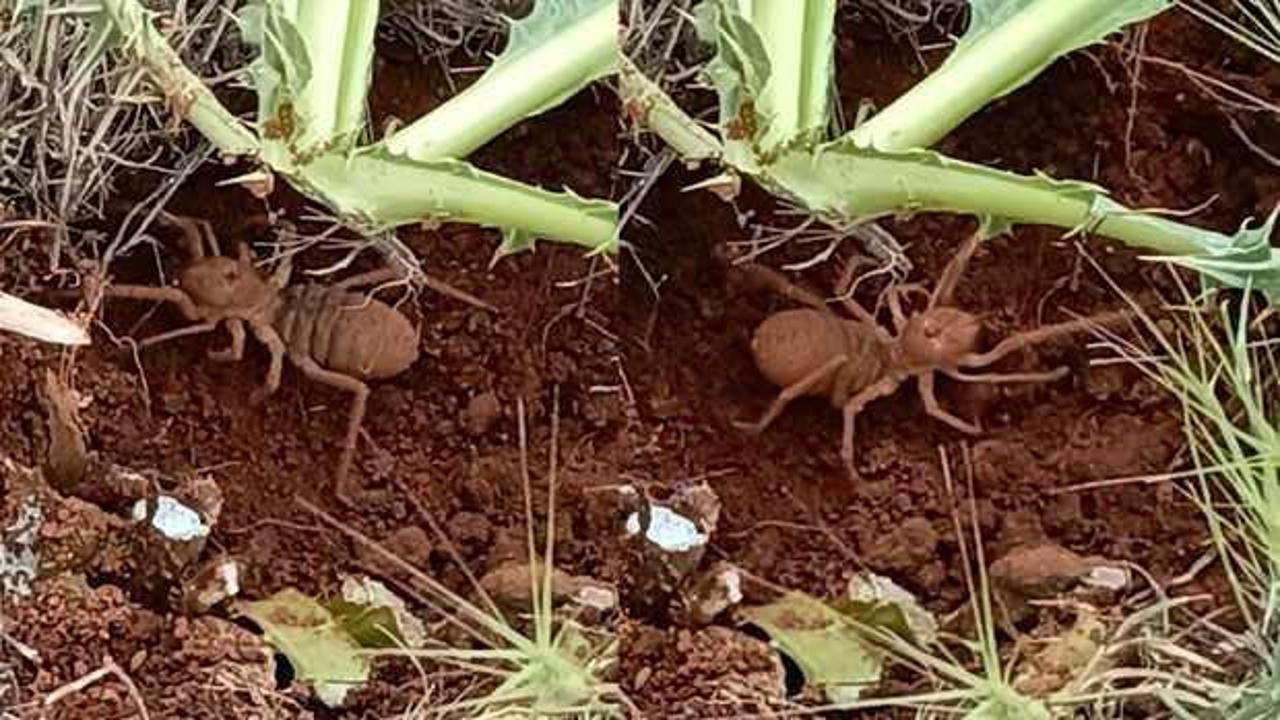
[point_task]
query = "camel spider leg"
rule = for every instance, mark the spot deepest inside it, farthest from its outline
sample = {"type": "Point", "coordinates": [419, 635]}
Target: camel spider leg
{"type": "Point", "coordinates": [235, 353]}
{"type": "Point", "coordinates": [777, 282]}
{"type": "Point", "coordinates": [164, 294]}
{"type": "Point", "coordinates": [1031, 377]}
{"type": "Point", "coordinates": [791, 392]}
{"type": "Point", "coordinates": [268, 336]}
{"type": "Point", "coordinates": [355, 418]}
{"type": "Point", "coordinates": [212, 240]}
{"type": "Point", "coordinates": [1032, 337]}
{"type": "Point", "coordinates": [280, 276]}
{"type": "Point", "coordinates": [925, 386]}
{"type": "Point", "coordinates": [885, 386]}
{"type": "Point", "coordinates": [843, 291]}
{"type": "Point", "coordinates": [196, 329]}
{"type": "Point", "coordinates": [946, 288]}
{"type": "Point", "coordinates": [195, 235]}
{"type": "Point", "coordinates": [893, 296]}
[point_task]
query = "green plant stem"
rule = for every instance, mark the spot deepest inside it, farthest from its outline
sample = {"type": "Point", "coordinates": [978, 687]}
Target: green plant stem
{"type": "Point", "coordinates": [339, 37]}
{"type": "Point", "coordinates": [512, 91]}
{"type": "Point", "coordinates": [649, 107]}
{"type": "Point", "coordinates": [1003, 59]}
{"type": "Point", "coordinates": [844, 183]}
{"type": "Point", "coordinates": [799, 36]}
{"type": "Point", "coordinates": [187, 95]}
{"type": "Point", "coordinates": [395, 191]}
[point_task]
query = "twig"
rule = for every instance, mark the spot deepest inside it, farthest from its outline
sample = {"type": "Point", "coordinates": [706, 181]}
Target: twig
{"type": "Point", "coordinates": [109, 667]}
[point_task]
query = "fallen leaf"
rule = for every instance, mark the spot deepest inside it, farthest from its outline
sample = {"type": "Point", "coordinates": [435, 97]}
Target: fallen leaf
{"type": "Point", "coordinates": [820, 640]}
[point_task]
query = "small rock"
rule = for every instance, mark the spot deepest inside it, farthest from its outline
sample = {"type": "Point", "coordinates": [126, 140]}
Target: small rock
{"type": "Point", "coordinates": [912, 544]}
{"type": "Point", "coordinates": [482, 411]}
{"type": "Point", "coordinates": [213, 583]}
{"type": "Point", "coordinates": [1035, 572]}
{"type": "Point", "coordinates": [1038, 572]}
{"type": "Point", "coordinates": [410, 543]}
{"type": "Point", "coordinates": [174, 527]}
{"type": "Point", "coordinates": [509, 586]}
{"type": "Point", "coordinates": [470, 529]}
{"type": "Point", "coordinates": [666, 542]}
{"type": "Point", "coordinates": [709, 594]}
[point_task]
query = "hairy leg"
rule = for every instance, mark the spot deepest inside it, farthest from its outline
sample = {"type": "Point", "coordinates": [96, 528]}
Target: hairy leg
{"type": "Point", "coordinates": [884, 386]}
{"type": "Point", "coordinates": [235, 326]}
{"type": "Point", "coordinates": [149, 292]}
{"type": "Point", "coordinates": [844, 289]}
{"type": "Point", "coordinates": [268, 336]}
{"type": "Point", "coordinates": [355, 418]}
{"type": "Point", "coordinates": [791, 392]}
{"type": "Point", "coordinates": [769, 279]}
{"type": "Point", "coordinates": [893, 296]}
{"type": "Point", "coordinates": [196, 329]}
{"type": "Point", "coordinates": [1028, 338]}
{"type": "Point", "coordinates": [1031, 377]}
{"type": "Point", "coordinates": [191, 233]}
{"type": "Point", "coordinates": [944, 293]}
{"type": "Point", "coordinates": [925, 385]}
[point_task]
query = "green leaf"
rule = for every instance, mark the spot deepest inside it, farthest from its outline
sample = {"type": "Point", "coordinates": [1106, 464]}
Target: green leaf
{"type": "Point", "coordinates": [1006, 45]}
{"type": "Point", "coordinates": [321, 651]}
{"type": "Point", "coordinates": [1249, 260]}
{"type": "Point", "coordinates": [338, 36]}
{"type": "Point", "coordinates": [825, 646]}
{"type": "Point", "coordinates": [561, 47]}
{"type": "Point", "coordinates": [776, 59]}
{"type": "Point", "coordinates": [374, 616]}
{"type": "Point", "coordinates": [879, 602]}
{"type": "Point", "coordinates": [377, 189]}
{"type": "Point", "coordinates": [738, 72]}
{"type": "Point", "coordinates": [998, 21]}
{"type": "Point", "coordinates": [312, 73]}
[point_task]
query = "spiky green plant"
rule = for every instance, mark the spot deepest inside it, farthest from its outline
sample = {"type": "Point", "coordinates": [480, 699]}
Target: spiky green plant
{"type": "Point", "coordinates": [312, 76]}
{"type": "Point", "coordinates": [773, 70]}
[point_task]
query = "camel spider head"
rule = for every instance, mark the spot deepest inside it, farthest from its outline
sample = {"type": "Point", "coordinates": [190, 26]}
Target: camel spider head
{"type": "Point", "coordinates": [939, 337]}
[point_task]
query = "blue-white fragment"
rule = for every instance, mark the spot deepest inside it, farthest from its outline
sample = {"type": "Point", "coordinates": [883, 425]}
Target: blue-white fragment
{"type": "Point", "coordinates": [173, 519]}
{"type": "Point", "coordinates": [668, 530]}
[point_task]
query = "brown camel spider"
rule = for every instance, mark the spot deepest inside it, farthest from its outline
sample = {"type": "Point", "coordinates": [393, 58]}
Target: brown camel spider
{"type": "Point", "coordinates": [853, 362]}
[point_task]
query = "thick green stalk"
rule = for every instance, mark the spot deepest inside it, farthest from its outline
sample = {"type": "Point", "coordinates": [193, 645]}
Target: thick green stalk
{"type": "Point", "coordinates": [842, 182]}
{"type": "Point", "coordinates": [1009, 53]}
{"type": "Point", "coordinates": [799, 37]}
{"type": "Point", "coordinates": [339, 38]}
{"type": "Point", "coordinates": [187, 95]}
{"type": "Point", "coordinates": [393, 190]}
{"type": "Point", "coordinates": [565, 46]}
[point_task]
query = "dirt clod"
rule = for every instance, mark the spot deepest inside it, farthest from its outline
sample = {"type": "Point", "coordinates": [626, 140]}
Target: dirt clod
{"type": "Point", "coordinates": [410, 543]}
{"type": "Point", "coordinates": [912, 542]}
{"type": "Point", "coordinates": [482, 412]}
{"type": "Point", "coordinates": [1037, 572]}
{"type": "Point", "coordinates": [710, 673]}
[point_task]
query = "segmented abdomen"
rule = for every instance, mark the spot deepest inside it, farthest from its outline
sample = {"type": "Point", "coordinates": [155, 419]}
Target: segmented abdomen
{"type": "Point", "coordinates": [790, 345]}
{"type": "Point", "coordinates": [346, 332]}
